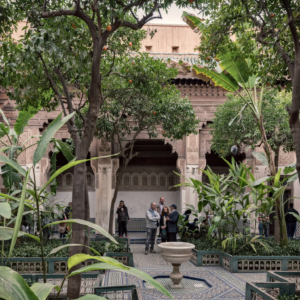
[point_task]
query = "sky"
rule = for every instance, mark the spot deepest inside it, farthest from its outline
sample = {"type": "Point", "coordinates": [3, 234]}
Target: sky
{"type": "Point", "coordinates": [173, 16]}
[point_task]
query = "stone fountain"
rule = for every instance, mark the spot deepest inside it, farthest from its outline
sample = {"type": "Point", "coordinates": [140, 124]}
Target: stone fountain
{"type": "Point", "coordinates": [176, 253]}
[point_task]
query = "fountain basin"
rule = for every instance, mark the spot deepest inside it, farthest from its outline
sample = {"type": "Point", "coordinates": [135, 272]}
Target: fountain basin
{"type": "Point", "coordinates": [176, 252]}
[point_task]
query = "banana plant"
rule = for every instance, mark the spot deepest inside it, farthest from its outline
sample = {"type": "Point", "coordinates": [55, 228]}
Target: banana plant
{"type": "Point", "coordinates": [12, 146]}
{"type": "Point", "coordinates": [30, 185]}
{"type": "Point", "coordinates": [13, 286]}
{"type": "Point", "coordinates": [234, 75]}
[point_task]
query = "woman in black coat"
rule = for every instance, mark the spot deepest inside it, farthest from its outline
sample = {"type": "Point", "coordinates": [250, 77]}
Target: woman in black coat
{"type": "Point", "coordinates": [123, 218]}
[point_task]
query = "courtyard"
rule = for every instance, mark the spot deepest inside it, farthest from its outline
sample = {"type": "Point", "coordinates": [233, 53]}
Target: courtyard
{"type": "Point", "coordinates": [149, 150]}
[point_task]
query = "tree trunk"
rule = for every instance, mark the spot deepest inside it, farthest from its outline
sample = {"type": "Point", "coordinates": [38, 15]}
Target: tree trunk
{"type": "Point", "coordinates": [78, 234]}
{"type": "Point", "coordinates": [294, 112]}
{"type": "Point", "coordinates": [114, 198]}
{"type": "Point", "coordinates": [280, 231]}
{"type": "Point", "coordinates": [275, 220]}
{"type": "Point", "coordinates": [87, 218]}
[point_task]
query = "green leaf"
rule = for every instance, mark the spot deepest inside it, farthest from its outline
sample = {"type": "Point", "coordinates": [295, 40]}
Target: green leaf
{"type": "Point", "coordinates": [72, 245]}
{"type": "Point", "coordinates": [288, 170]}
{"type": "Point", "coordinates": [292, 178]}
{"type": "Point", "coordinates": [261, 157]}
{"type": "Point", "coordinates": [6, 233]}
{"type": "Point", "coordinates": [63, 147]}
{"type": "Point", "coordinates": [193, 21]}
{"type": "Point", "coordinates": [4, 117]}
{"type": "Point", "coordinates": [24, 214]}
{"type": "Point", "coordinates": [79, 258]}
{"type": "Point", "coordinates": [239, 114]}
{"type": "Point", "coordinates": [10, 176]}
{"type": "Point", "coordinates": [13, 286]}
{"type": "Point", "coordinates": [220, 79]}
{"type": "Point", "coordinates": [131, 271]}
{"type": "Point", "coordinates": [253, 247]}
{"type": "Point", "coordinates": [89, 224]}
{"type": "Point", "coordinates": [277, 178]}
{"type": "Point", "coordinates": [13, 164]}
{"type": "Point", "coordinates": [91, 297]}
{"type": "Point", "coordinates": [260, 181]}
{"type": "Point", "coordinates": [19, 215]}
{"type": "Point", "coordinates": [5, 210]}
{"type": "Point", "coordinates": [17, 200]}
{"type": "Point", "coordinates": [23, 118]}
{"type": "Point", "coordinates": [48, 135]}
{"type": "Point", "coordinates": [236, 66]}
{"type": "Point", "coordinates": [42, 290]}
{"type": "Point", "coordinates": [295, 215]}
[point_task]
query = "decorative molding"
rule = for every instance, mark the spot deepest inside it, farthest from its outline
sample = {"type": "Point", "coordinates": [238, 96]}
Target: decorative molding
{"type": "Point", "coordinates": [104, 150]}
{"type": "Point", "coordinates": [181, 165]}
{"type": "Point", "coordinates": [148, 182]}
{"type": "Point", "coordinates": [202, 166]}
{"type": "Point", "coordinates": [115, 167]}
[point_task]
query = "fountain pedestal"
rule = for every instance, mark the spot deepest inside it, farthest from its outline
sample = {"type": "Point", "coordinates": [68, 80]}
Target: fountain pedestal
{"type": "Point", "coordinates": [176, 277]}
{"type": "Point", "coordinates": [176, 253]}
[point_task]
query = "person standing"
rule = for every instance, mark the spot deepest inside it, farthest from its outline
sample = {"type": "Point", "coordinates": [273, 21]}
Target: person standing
{"type": "Point", "coordinates": [62, 227]}
{"type": "Point", "coordinates": [152, 217]}
{"type": "Point", "coordinates": [123, 218]}
{"type": "Point", "coordinates": [157, 230]}
{"type": "Point", "coordinates": [164, 228]}
{"type": "Point", "coordinates": [68, 211]}
{"type": "Point", "coordinates": [160, 209]}
{"type": "Point", "coordinates": [172, 223]}
{"type": "Point", "coordinates": [291, 221]}
{"type": "Point", "coordinates": [263, 224]}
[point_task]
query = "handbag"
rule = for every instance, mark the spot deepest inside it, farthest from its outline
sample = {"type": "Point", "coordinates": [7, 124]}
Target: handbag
{"type": "Point", "coordinates": [163, 234]}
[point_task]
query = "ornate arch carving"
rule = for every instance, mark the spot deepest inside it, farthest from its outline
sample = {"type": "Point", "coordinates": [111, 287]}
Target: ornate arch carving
{"type": "Point", "coordinates": [144, 179]}
{"type": "Point", "coordinates": [135, 180]}
{"type": "Point", "coordinates": [126, 179]}
{"type": "Point", "coordinates": [162, 179]}
{"type": "Point", "coordinates": [68, 179]}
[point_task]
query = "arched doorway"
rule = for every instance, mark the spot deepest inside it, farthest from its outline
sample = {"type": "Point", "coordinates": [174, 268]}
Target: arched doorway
{"type": "Point", "coordinates": [148, 176]}
{"type": "Point", "coordinates": [218, 165]}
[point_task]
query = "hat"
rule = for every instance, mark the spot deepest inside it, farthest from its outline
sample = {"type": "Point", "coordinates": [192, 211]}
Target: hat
{"type": "Point", "coordinates": [174, 205]}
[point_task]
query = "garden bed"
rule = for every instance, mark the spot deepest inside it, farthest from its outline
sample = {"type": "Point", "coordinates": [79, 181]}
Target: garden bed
{"type": "Point", "coordinates": [236, 264]}
{"type": "Point", "coordinates": [26, 256]}
{"type": "Point", "coordinates": [88, 281]}
{"type": "Point", "coordinates": [277, 259]}
{"type": "Point", "coordinates": [278, 283]}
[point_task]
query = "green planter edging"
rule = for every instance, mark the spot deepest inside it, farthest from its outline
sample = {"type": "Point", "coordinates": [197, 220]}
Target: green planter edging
{"type": "Point", "coordinates": [101, 290]}
{"type": "Point", "coordinates": [206, 258]}
{"type": "Point", "coordinates": [254, 290]}
{"type": "Point", "coordinates": [240, 264]}
{"type": "Point", "coordinates": [125, 258]}
{"type": "Point", "coordinates": [58, 265]}
{"type": "Point", "coordinates": [54, 277]}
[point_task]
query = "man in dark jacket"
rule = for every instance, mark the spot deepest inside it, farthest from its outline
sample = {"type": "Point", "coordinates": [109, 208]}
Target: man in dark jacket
{"type": "Point", "coordinates": [291, 220]}
{"type": "Point", "coordinates": [172, 220]}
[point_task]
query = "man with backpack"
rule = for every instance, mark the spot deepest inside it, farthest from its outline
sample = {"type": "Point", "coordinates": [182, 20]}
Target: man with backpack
{"type": "Point", "coordinates": [291, 221]}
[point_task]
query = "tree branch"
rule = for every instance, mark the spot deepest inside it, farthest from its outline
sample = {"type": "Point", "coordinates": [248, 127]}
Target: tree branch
{"type": "Point", "coordinates": [292, 25]}
{"type": "Point", "coordinates": [145, 19]}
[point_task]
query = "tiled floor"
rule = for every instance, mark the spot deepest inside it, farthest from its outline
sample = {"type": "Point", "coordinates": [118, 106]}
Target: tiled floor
{"type": "Point", "coordinates": [199, 282]}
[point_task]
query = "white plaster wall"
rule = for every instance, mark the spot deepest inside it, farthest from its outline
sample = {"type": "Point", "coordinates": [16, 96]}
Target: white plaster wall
{"type": "Point", "coordinates": [138, 202]}
{"type": "Point", "coordinates": [296, 195]}
{"type": "Point", "coordinates": [63, 198]}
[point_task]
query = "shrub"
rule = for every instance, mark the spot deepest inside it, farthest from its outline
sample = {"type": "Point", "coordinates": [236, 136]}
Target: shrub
{"type": "Point", "coordinates": [28, 248]}
{"type": "Point", "coordinates": [293, 249]}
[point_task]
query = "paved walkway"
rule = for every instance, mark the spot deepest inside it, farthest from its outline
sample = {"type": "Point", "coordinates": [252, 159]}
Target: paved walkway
{"type": "Point", "coordinates": [199, 282]}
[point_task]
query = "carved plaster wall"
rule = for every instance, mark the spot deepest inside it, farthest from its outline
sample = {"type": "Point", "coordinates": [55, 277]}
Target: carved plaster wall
{"type": "Point", "coordinates": [205, 143]}
{"type": "Point", "coordinates": [192, 149]}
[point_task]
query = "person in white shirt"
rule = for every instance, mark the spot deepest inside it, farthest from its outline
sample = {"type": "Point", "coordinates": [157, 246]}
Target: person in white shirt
{"type": "Point", "coordinates": [152, 217]}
